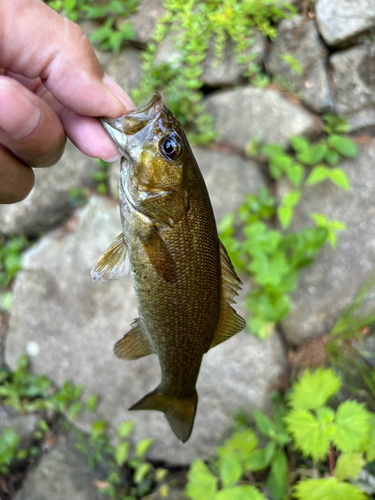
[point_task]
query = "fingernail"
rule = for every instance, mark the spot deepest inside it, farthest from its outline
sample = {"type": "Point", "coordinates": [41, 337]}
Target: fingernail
{"type": "Point", "coordinates": [18, 115]}
{"type": "Point", "coordinates": [119, 93]}
{"type": "Point", "coordinates": [110, 160]}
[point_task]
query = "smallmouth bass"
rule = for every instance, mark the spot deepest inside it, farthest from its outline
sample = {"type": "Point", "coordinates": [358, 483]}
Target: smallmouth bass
{"type": "Point", "coordinates": [182, 276]}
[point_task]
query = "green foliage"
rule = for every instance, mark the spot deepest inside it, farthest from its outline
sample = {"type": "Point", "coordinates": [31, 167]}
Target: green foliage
{"type": "Point", "coordinates": [293, 63]}
{"type": "Point", "coordinates": [11, 258]}
{"type": "Point", "coordinates": [271, 257]}
{"type": "Point", "coordinates": [30, 393]}
{"type": "Point", "coordinates": [101, 176]}
{"type": "Point", "coordinates": [77, 196]}
{"type": "Point", "coordinates": [196, 26]}
{"type": "Point", "coordinates": [308, 425]}
{"type": "Point", "coordinates": [113, 32]}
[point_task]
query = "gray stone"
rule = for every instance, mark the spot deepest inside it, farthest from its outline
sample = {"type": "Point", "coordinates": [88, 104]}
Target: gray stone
{"type": "Point", "coordinates": [248, 112]}
{"type": "Point", "coordinates": [223, 173]}
{"type": "Point", "coordinates": [145, 18]}
{"type": "Point", "coordinates": [299, 38]}
{"type": "Point", "coordinates": [354, 90]}
{"type": "Point", "coordinates": [340, 22]}
{"type": "Point", "coordinates": [62, 474]}
{"type": "Point", "coordinates": [48, 203]}
{"type": "Point", "coordinates": [327, 286]}
{"type": "Point", "coordinates": [124, 67]}
{"type": "Point", "coordinates": [216, 73]}
{"type": "Point", "coordinates": [75, 324]}
{"type": "Point", "coordinates": [23, 425]}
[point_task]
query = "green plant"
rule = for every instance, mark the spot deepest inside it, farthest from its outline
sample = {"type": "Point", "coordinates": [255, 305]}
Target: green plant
{"type": "Point", "coordinates": [113, 32]}
{"type": "Point", "coordinates": [195, 26]}
{"type": "Point", "coordinates": [272, 257]}
{"type": "Point", "coordinates": [339, 443]}
{"type": "Point", "coordinates": [101, 175]}
{"type": "Point", "coordinates": [11, 258]}
{"type": "Point", "coordinates": [127, 472]}
{"type": "Point", "coordinates": [77, 196]}
{"type": "Point", "coordinates": [292, 63]}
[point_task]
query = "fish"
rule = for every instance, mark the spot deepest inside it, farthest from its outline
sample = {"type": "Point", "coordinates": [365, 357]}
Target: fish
{"type": "Point", "coordinates": [182, 276]}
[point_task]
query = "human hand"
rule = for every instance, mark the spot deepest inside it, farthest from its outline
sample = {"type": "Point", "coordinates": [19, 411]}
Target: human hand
{"type": "Point", "coordinates": [51, 85]}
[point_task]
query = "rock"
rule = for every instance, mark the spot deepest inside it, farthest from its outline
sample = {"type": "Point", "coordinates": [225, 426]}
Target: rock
{"type": "Point", "coordinates": [145, 18]}
{"type": "Point", "coordinates": [78, 322]}
{"type": "Point", "coordinates": [48, 203]}
{"type": "Point", "coordinates": [327, 286]}
{"type": "Point", "coordinates": [223, 173]}
{"type": "Point", "coordinates": [299, 38]}
{"type": "Point", "coordinates": [340, 22]}
{"type": "Point", "coordinates": [124, 67]}
{"type": "Point", "coordinates": [226, 71]}
{"type": "Point", "coordinates": [354, 90]}
{"type": "Point", "coordinates": [61, 474]}
{"type": "Point", "coordinates": [248, 112]}
{"type": "Point", "coordinates": [23, 425]}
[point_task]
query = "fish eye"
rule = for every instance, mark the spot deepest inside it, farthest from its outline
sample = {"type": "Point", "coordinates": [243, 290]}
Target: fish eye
{"type": "Point", "coordinates": [170, 148]}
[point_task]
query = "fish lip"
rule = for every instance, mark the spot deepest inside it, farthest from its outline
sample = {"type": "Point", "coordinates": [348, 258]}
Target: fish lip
{"type": "Point", "coordinates": [150, 109]}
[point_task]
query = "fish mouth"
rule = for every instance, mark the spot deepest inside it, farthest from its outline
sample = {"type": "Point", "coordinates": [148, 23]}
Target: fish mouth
{"type": "Point", "coordinates": [121, 128]}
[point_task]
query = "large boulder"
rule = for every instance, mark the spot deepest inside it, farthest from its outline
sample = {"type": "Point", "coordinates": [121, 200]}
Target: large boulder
{"type": "Point", "coordinates": [354, 90]}
{"type": "Point", "coordinates": [329, 285]}
{"type": "Point", "coordinates": [145, 18]}
{"type": "Point", "coordinates": [244, 113]}
{"type": "Point", "coordinates": [61, 474]}
{"type": "Point", "coordinates": [48, 203]}
{"type": "Point", "coordinates": [340, 22]}
{"type": "Point", "coordinates": [299, 38]}
{"type": "Point", "coordinates": [74, 323]}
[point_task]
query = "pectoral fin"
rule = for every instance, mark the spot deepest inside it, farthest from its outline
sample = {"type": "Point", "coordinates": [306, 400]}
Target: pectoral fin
{"type": "Point", "coordinates": [230, 322]}
{"type": "Point", "coordinates": [159, 256]}
{"type": "Point", "coordinates": [134, 344]}
{"type": "Point", "coordinates": [114, 263]}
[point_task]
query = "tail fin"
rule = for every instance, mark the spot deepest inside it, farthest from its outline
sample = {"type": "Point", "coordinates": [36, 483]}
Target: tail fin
{"type": "Point", "coordinates": [180, 412]}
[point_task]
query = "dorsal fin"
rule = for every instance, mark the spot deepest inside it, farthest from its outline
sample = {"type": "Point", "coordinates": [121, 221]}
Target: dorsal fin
{"type": "Point", "coordinates": [114, 263]}
{"type": "Point", "coordinates": [230, 322]}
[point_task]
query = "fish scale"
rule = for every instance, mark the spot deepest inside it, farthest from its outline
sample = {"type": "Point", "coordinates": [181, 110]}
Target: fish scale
{"type": "Point", "coordinates": [182, 276]}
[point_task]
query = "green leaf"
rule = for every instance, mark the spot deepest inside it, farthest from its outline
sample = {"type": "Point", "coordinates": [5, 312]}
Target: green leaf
{"type": "Point", "coordinates": [332, 157]}
{"type": "Point", "coordinates": [318, 174]}
{"type": "Point", "coordinates": [143, 446]}
{"type": "Point", "coordinates": [92, 402]}
{"type": "Point", "coordinates": [141, 472]}
{"type": "Point", "coordinates": [352, 427]}
{"type": "Point", "coordinates": [299, 144]}
{"type": "Point", "coordinates": [292, 63]}
{"type": "Point", "coordinates": [349, 465]}
{"type": "Point", "coordinates": [291, 199]}
{"type": "Point", "coordinates": [313, 389]}
{"type": "Point", "coordinates": [285, 215]}
{"type": "Point", "coordinates": [122, 451]}
{"type": "Point", "coordinates": [260, 459]}
{"type": "Point", "coordinates": [339, 178]}
{"type": "Point", "coordinates": [237, 493]}
{"type": "Point", "coordinates": [239, 445]}
{"type": "Point", "coordinates": [310, 436]}
{"type": "Point", "coordinates": [370, 446]}
{"type": "Point", "coordinates": [125, 429]}
{"type": "Point", "coordinates": [277, 480]}
{"type": "Point", "coordinates": [272, 150]}
{"type": "Point", "coordinates": [313, 155]}
{"type": "Point", "coordinates": [327, 489]}
{"type": "Point", "coordinates": [343, 145]}
{"type": "Point", "coordinates": [295, 174]}
{"type": "Point", "coordinates": [230, 470]}
{"type": "Point", "coordinates": [98, 428]}
{"type": "Point", "coordinates": [202, 483]}
{"type": "Point", "coordinates": [264, 424]}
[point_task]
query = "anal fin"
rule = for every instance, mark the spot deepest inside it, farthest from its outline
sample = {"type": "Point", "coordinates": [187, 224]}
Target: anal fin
{"type": "Point", "coordinates": [230, 322]}
{"type": "Point", "coordinates": [114, 263]}
{"type": "Point", "coordinates": [134, 344]}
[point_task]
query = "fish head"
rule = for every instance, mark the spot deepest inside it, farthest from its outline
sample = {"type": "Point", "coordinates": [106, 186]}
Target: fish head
{"type": "Point", "coordinates": [154, 146]}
